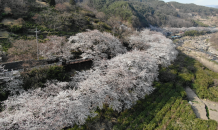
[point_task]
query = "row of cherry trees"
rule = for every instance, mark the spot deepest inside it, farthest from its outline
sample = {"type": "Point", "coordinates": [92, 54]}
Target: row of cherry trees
{"type": "Point", "coordinates": [209, 29]}
{"type": "Point", "coordinates": [118, 79]}
{"type": "Point", "coordinates": [183, 29]}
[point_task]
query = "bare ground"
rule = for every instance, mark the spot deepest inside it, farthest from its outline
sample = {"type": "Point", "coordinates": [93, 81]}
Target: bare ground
{"type": "Point", "coordinates": [213, 109]}
{"type": "Point", "coordinates": [10, 22]}
{"type": "Point", "coordinates": [42, 3]}
{"type": "Point", "coordinates": [4, 34]}
{"type": "Point", "coordinates": [200, 49]}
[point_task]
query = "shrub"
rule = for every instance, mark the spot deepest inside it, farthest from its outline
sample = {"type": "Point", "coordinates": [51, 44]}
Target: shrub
{"type": "Point", "coordinates": [7, 10]}
{"type": "Point", "coordinates": [51, 2]}
{"type": "Point", "coordinates": [16, 28]}
{"type": "Point", "coordinates": [6, 44]}
{"type": "Point", "coordinates": [72, 2]}
{"type": "Point", "coordinates": [37, 77]}
{"type": "Point", "coordinates": [193, 33]}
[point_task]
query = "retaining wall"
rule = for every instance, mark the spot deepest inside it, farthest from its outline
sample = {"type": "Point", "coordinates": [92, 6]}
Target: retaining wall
{"type": "Point", "coordinates": [24, 64]}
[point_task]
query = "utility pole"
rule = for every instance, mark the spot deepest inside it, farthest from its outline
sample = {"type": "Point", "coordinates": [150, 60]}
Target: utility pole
{"type": "Point", "coordinates": [37, 44]}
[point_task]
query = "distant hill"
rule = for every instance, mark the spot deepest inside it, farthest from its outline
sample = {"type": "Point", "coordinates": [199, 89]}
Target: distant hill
{"type": "Point", "coordinates": [213, 6]}
{"type": "Point", "coordinates": [141, 13]}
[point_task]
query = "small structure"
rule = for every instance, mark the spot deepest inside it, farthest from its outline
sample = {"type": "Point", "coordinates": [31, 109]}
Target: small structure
{"type": "Point", "coordinates": [176, 36]}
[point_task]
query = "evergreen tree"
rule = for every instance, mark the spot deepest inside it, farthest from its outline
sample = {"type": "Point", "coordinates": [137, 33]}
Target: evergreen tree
{"type": "Point", "coordinates": [72, 2]}
{"type": "Point", "coordinates": [51, 2]}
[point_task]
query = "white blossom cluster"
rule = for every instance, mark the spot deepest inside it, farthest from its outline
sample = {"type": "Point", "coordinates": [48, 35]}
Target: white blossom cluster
{"type": "Point", "coordinates": [155, 44]}
{"type": "Point", "coordinates": [96, 45]}
{"type": "Point", "coordinates": [118, 82]}
{"type": "Point", "coordinates": [166, 30]}
{"type": "Point", "coordinates": [121, 81]}
{"type": "Point", "coordinates": [157, 29]}
{"type": "Point", "coordinates": [14, 86]}
{"type": "Point", "coordinates": [6, 76]}
{"type": "Point", "coordinates": [184, 29]}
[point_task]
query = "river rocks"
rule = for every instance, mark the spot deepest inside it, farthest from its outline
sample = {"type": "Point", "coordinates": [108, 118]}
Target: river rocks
{"type": "Point", "coordinates": [213, 51]}
{"type": "Point", "coordinates": [200, 49]}
{"type": "Point", "coordinates": [198, 44]}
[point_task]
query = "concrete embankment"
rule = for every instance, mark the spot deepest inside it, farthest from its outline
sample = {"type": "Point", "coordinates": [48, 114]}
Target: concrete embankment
{"type": "Point", "coordinates": [197, 105]}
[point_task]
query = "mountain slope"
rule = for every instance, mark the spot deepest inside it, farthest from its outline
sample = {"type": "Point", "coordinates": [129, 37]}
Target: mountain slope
{"type": "Point", "coordinates": [212, 6]}
{"type": "Point", "coordinates": [154, 12]}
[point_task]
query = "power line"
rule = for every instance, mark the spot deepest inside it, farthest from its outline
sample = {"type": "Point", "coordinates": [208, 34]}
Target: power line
{"type": "Point", "coordinates": [37, 44]}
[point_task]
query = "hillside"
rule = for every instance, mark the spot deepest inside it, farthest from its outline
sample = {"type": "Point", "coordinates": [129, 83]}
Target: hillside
{"type": "Point", "coordinates": [17, 26]}
{"type": "Point", "coordinates": [155, 12]}
{"type": "Point", "coordinates": [213, 6]}
{"type": "Point", "coordinates": [108, 65]}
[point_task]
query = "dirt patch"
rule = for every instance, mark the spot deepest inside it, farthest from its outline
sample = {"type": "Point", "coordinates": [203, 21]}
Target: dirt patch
{"type": "Point", "coordinates": [211, 20]}
{"type": "Point", "coordinates": [10, 22]}
{"type": "Point", "coordinates": [197, 105]}
{"type": "Point", "coordinates": [4, 34]}
{"type": "Point", "coordinates": [209, 64]}
{"type": "Point", "coordinates": [41, 3]}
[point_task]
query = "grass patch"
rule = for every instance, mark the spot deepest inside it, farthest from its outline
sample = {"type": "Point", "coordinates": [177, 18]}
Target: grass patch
{"type": "Point", "coordinates": [6, 44]}
{"type": "Point", "coordinates": [195, 101]}
{"type": "Point", "coordinates": [198, 23]}
{"type": "Point", "coordinates": [213, 110]}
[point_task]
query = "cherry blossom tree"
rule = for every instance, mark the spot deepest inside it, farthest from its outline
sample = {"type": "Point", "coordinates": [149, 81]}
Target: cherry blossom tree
{"type": "Point", "coordinates": [177, 30]}
{"type": "Point", "coordinates": [10, 78]}
{"type": "Point", "coordinates": [14, 86]}
{"type": "Point", "coordinates": [4, 76]}
{"type": "Point", "coordinates": [96, 45]}
{"type": "Point", "coordinates": [118, 81]}
{"type": "Point", "coordinates": [22, 50]}
{"type": "Point", "coordinates": [166, 30]}
{"type": "Point", "coordinates": [155, 44]}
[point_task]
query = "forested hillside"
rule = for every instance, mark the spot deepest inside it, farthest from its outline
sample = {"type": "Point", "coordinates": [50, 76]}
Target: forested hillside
{"type": "Point", "coordinates": [19, 19]}
{"type": "Point", "coordinates": [153, 12]}
{"type": "Point", "coordinates": [192, 8]}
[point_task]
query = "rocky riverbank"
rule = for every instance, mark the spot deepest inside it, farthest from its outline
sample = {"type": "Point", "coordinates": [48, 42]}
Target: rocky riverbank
{"type": "Point", "coordinates": [199, 48]}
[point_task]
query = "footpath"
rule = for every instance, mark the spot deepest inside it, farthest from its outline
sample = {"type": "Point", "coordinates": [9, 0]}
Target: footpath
{"type": "Point", "coordinates": [199, 106]}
